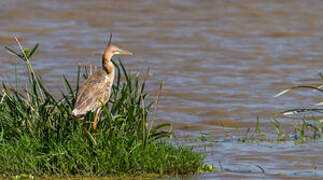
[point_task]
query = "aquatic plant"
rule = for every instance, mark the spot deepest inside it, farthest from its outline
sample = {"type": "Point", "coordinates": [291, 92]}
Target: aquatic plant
{"type": "Point", "coordinates": [40, 137]}
{"type": "Point", "coordinates": [307, 129]}
{"type": "Point", "coordinates": [317, 108]}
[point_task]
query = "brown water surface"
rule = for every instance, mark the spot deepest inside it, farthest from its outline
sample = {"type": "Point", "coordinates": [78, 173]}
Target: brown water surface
{"type": "Point", "coordinates": [222, 61]}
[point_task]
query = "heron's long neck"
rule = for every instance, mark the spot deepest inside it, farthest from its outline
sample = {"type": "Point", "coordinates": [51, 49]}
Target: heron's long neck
{"type": "Point", "coordinates": [108, 66]}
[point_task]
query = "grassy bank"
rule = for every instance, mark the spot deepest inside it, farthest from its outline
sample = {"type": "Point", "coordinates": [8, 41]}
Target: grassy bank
{"type": "Point", "coordinates": [39, 136]}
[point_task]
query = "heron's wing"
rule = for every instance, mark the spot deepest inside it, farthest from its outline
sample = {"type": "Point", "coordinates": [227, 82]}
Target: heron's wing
{"type": "Point", "coordinates": [96, 88]}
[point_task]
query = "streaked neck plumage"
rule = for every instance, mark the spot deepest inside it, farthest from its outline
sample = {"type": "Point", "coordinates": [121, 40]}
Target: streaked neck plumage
{"type": "Point", "coordinates": [107, 64]}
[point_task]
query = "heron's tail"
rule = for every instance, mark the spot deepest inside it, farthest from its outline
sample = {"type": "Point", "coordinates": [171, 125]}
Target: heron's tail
{"type": "Point", "coordinates": [76, 113]}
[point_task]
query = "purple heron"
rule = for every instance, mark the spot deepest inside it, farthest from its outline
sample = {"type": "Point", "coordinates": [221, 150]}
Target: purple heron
{"type": "Point", "coordinates": [97, 88]}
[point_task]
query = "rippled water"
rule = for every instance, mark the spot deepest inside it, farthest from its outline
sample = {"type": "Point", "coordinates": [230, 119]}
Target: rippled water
{"type": "Point", "coordinates": [222, 61]}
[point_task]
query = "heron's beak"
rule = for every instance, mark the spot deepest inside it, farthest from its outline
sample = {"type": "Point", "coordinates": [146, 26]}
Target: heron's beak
{"type": "Point", "coordinates": [125, 52]}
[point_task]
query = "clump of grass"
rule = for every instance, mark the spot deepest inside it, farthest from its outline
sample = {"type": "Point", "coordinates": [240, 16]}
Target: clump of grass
{"type": "Point", "coordinates": [306, 129]}
{"type": "Point", "coordinates": [39, 136]}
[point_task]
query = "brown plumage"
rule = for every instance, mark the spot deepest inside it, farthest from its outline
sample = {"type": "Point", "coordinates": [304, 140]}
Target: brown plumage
{"type": "Point", "coordinates": [98, 86]}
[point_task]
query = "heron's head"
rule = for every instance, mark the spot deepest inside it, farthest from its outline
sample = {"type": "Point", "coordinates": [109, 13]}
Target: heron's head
{"type": "Point", "coordinates": [114, 50]}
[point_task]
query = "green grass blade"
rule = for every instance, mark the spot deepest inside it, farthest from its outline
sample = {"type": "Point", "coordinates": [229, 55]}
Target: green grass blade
{"type": "Point", "coordinates": [33, 50]}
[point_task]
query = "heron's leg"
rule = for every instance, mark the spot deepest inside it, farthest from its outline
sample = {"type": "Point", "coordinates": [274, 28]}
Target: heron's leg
{"type": "Point", "coordinates": [87, 133]}
{"type": "Point", "coordinates": [96, 119]}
